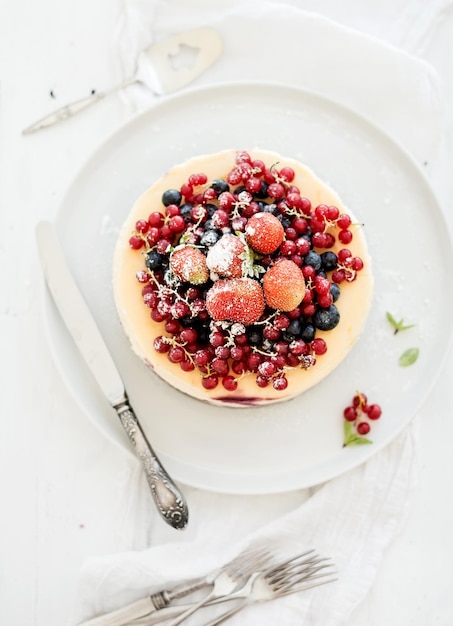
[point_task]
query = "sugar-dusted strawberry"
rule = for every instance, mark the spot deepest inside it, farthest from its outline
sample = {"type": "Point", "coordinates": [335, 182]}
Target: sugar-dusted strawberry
{"type": "Point", "coordinates": [235, 300]}
{"type": "Point", "coordinates": [264, 233]}
{"type": "Point", "coordinates": [225, 257]}
{"type": "Point", "coordinates": [189, 264]}
{"type": "Point", "coordinates": [284, 285]}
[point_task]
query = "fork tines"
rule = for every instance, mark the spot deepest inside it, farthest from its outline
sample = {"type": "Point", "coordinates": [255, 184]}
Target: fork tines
{"type": "Point", "coordinates": [295, 573]}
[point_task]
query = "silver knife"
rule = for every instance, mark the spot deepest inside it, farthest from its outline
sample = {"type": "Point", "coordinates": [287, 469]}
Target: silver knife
{"type": "Point", "coordinates": [86, 335]}
{"type": "Point", "coordinates": [157, 67]}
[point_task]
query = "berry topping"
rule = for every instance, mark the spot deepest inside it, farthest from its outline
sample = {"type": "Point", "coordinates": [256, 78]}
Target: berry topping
{"type": "Point", "coordinates": [264, 232]}
{"type": "Point", "coordinates": [284, 286]}
{"type": "Point", "coordinates": [241, 272]}
{"type": "Point", "coordinates": [236, 300]}
{"type": "Point", "coordinates": [225, 257]}
{"type": "Point", "coordinates": [189, 264]}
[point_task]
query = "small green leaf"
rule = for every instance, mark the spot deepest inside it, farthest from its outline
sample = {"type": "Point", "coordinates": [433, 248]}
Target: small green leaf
{"type": "Point", "coordinates": [351, 438]}
{"type": "Point", "coordinates": [409, 357]}
{"type": "Point", "coordinates": [397, 326]}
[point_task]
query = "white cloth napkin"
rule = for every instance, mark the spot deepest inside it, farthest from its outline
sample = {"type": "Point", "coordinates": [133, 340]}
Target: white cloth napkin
{"type": "Point", "coordinates": [354, 517]}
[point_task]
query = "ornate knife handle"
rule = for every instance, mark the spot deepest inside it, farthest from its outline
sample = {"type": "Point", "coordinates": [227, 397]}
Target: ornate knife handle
{"type": "Point", "coordinates": [169, 500]}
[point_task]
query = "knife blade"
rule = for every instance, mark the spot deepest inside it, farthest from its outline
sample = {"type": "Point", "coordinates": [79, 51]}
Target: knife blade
{"type": "Point", "coordinates": [157, 68]}
{"type": "Point", "coordinates": [84, 331]}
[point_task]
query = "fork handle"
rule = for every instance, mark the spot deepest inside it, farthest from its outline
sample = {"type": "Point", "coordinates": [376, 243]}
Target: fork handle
{"type": "Point", "coordinates": [198, 605]}
{"type": "Point", "coordinates": [124, 615]}
{"type": "Point", "coordinates": [226, 616]}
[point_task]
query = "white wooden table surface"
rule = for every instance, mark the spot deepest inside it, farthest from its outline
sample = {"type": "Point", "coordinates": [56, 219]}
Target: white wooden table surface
{"type": "Point", "coordinates": [57, 472]}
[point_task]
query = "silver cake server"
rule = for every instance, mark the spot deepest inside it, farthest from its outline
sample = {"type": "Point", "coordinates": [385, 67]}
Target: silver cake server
{"type": "Point", "coordinates": [157, 67]}
{"type": "Point", "coordinates": [86, 335]}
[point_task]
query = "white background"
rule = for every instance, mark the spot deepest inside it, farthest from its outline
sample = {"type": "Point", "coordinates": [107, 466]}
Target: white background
{"type": "Point", "coordinates": [59, 477]}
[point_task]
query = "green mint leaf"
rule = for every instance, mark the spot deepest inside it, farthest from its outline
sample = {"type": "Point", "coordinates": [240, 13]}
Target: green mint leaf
{"type": "Point", "coordinates": [351, 438]}
{"type": "Point", "coordinates": [409, 357]}
{"type": "Point", "coordinates": [397, 326]}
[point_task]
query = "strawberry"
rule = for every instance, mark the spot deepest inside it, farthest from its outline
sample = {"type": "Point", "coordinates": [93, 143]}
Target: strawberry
{"type": "Point", "coordinates": [264, 233]}
{"type": "Point", "coordinates": [235, 300]}
{"type": "Point", "coordinates": [224, 257]}
{"type": "Point", "coordinates": [189, 264]}
{"type": "Point", "coordinates": [284, 285]}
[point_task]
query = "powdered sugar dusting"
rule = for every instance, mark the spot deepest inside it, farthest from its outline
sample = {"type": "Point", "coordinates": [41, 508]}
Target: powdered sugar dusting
{"type": "Point", "coordinates": [224, 256]}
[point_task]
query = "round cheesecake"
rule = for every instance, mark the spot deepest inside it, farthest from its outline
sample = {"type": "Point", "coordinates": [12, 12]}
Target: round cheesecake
{"type": "Point", "coordinates": [241, 279]}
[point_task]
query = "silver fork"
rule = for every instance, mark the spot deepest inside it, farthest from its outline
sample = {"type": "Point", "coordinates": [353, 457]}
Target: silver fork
{"type": "Point", "coordinates": [303, 571]}
{"type": "Point", "coordinates": [234, 574]}
{"type": "Point", "coordinates": [291, 576]}
{"type": "Point", "coordinates": [237, 570]}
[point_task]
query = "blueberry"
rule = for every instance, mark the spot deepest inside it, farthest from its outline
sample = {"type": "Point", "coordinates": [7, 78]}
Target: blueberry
{"type": "Point", "coordinates": [239, 189]}
{"type": "Point", "coordinates": [255, 337]}
{"type": "Point", "coordinates": [335, 291]}
{"type": "Point", "coordinates": [314, 259]}
{"type": "Point", "coordinates": [326, 319]}
{"type": "Point", "coordinates": [203, 333]}
{"type": "Point", "coordinates": [209, 225]}
{"type": "Point", "coordinates": [295, 327]}
{"type": "Point", "coordinates": [209, 238]}
{"type": "Point", "coordinates": [308, 333]}
{"type": "Point", "coordinates": [329, 261]}
{"type": "Point", "coordinates": [262, 193]}
{"type": "Point", "coordinates": [271, 208]}
{"type": "Point", "coordinates": [153, 260]}
{"type": "Point", "coordinates": [185, 210]}
{"type": "Point", "coordinates": [171, 196]}
{"type": "Point", "coordinates": [210, 208]}
{"type": "Point", "coordinates": [286, 221]}
{"type": "Point", "coordinates": [220, 185]}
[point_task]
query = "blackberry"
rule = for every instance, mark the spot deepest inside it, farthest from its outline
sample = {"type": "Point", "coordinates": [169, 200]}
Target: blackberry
{"type": "Point", "coordinates": [326, 319]}
{"type": "Point", "coordinates": [171, 196]}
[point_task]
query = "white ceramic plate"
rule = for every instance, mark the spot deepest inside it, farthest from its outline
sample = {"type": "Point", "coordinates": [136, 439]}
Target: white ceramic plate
{"type": "Point", "coordinates": [298, 443]}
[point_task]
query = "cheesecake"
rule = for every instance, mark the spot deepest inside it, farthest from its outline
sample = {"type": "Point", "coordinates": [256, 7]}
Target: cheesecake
{"type": "Point", "coordinates": [241, 278]}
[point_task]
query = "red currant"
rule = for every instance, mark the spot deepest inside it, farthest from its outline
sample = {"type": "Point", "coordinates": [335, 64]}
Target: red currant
{"type": "Point", "coordinates": [210, 382]}
{"type": "Point", "coordinates": [363, 428]}
{"type": "Point", "coordinates": [345, 236]}
{"type": "Point", "coordinates": [230, 383]}
{"type": "Point", "coordinates": [344, 221]}
{"type": "Point", "coordinates": [374, 411]}
{"type": "Point", "coordinates": [350, 414]}
{"type": "Point", "coordinates": [136, 242]}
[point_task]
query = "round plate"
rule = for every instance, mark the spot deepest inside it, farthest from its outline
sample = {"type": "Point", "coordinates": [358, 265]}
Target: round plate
{"type": "Point", "coordinates": [297, 443]}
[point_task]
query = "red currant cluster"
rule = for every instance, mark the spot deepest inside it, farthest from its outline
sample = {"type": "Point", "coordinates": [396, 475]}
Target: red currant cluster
{"type": "Point", "coordinates": [196, 216]}
{"type": "Point", "coordinates": [362, 414]}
